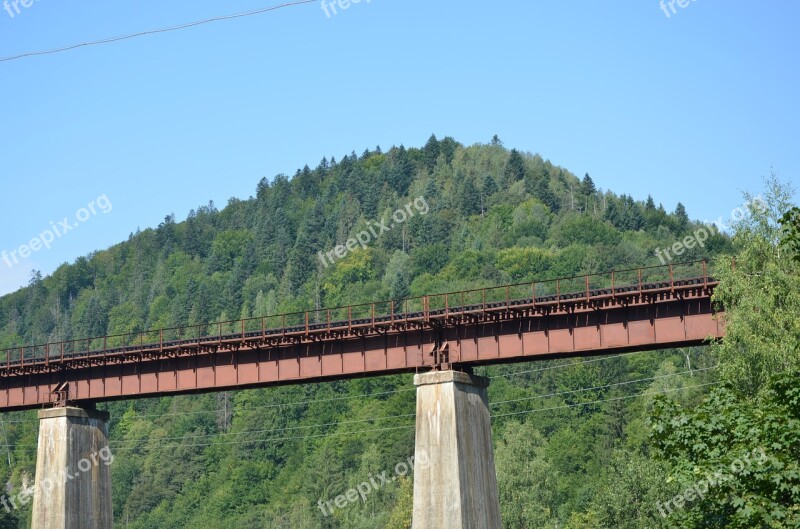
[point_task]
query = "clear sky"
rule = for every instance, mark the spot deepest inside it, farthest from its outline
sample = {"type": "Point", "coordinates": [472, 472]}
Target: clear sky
{"type": "Point", "coordinates": [695, 107]}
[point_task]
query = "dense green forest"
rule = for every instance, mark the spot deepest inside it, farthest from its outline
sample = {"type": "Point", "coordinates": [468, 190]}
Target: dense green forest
{"type": "Point", "coordinates": [596, 443]}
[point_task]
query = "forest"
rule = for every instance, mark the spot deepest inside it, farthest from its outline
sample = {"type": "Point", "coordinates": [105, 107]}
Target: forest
{"type": "Point", "coordinates": [604, 442]}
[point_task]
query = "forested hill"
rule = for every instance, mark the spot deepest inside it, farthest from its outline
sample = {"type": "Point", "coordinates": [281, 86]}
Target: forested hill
{"type": "Point", "coordinates": [495, 216]}
{"type": "Point", "coordinates": [471, 216]}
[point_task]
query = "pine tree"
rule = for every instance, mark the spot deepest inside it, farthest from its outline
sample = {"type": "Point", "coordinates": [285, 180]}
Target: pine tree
{"type": "Point", "coordinates": [469, 198]}
{"type": "Point", "coordinates": [515, 168]}
{"type": "Point", "coordinates": [488, 188]}
{"type": "Point", "coordinates": [430, 153]}
{"type": "Point", "coordinates": [681, 217]}
{"type": "Point", "coordinates": [401, 173]}
{"type": "Point", "coordinates": [587, 186]}
{"type": "Point", "coordinates": [307, 183]}
{"type": "Point", "coordinates": [538, 185]}
{"type": "Point", "coordinates": [299, 267]}
{"type": "Point", "coordinates": [447, 147]}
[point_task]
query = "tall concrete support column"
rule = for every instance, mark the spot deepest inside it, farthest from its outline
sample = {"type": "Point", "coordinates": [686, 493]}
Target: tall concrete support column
{"type": "Point", "coordinates": [73, 474]}
{"type": "Point", "coordinates": [455, 482]}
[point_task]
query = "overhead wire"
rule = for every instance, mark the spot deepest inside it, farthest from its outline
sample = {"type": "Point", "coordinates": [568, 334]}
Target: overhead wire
{"type": "Point", "coordinates": [614, 399]}
{"type": "Point", "coordinates": [285, 404]}
{"type": "Point", "coordinates": [606, 386]}
{"type": "Point", "coordinates": [410, 426]}
{"type": "Point", "coordinates": [155, 31]}
{"type": "Point", "coordinates": [383, 393]}
{"type": "Point", "coordinates": [358, 421]}
{"type": "Point", "coordinates": [561, 366]}
{"type": "Point", "coordinates": [365, 395]}
{"type": "Point", "coordinates": [281, 429]}
{"type": "Point", "coordinates": [124, 443]}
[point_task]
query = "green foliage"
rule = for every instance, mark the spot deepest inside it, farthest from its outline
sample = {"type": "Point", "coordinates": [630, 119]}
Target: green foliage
{"type": "Point", "coordinates": [582, 229]}
{"type": "Point", "coordinates": [736, 457]}
{"type": "Point", "coordinates": [587, 186]}
{"type": "Point", "coordinates": [747, 454]}
{"type": "Point", "coordinates": [515, 168]}
{"type": "Point", "coordinates": [681, 217]}
{"type": "Point", "coordinates": [760, 294]}
{"type": "Point", "coordinates": [526, 478]}
{"type": "Point", "coordinates": [630, 490]}
{"type": "Point", "coordinates": [524, 263]}
{"type": "Point", "coordinates": [8, 520]}
{"type": "Point", "coordinates": [401, 515]}
{"type": "Point", "coordinates": [790, 223]}
{"type": "Point", "coordinates": [264, 458]}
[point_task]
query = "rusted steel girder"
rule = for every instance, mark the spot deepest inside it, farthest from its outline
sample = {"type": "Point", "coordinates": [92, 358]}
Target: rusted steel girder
{"type": "Point", "coordinates": [645, 316]}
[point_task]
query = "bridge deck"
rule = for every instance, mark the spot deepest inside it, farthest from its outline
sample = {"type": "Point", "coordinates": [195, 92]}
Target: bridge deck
{"type": "Point", "coordinates": [645, 308]}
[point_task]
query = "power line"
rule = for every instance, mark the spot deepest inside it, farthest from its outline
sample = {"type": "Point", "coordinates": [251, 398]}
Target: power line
{"type": "Point", "coordinates": [284, 429]}
{"type": "Point", "coordinates": [383, 393]}
{"type": "Point", "coordinates": [155, 31]}
{"type": "Point", "coordinates": [580, 363]}
{"type": "Point", "coordinates": [691, 371]}
{"type": "Point", "coordinates": [404, 416]}
{"type": "Point", "coordinates": [273, 439]}
{"type": "Point", "coordinates": [365, 395]}
{"type": "Point", "coordinates": [606, 400]}
{"type": "Point", "coordinates": [265, 406]}
{"type": "Point", "coordinates": [125, 443]}
{"type": "Point", "coordinates": [279, 405]}
{"type": "Point", "coordinates": [408, 427]}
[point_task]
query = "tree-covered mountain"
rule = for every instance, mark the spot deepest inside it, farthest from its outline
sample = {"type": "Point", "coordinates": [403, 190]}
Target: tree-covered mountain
{"type": "Point", "coordinates": [265, 458]}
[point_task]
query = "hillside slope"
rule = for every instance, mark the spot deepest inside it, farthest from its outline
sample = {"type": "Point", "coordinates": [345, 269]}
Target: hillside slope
{"type": "Point", "coordinates": [469, 216]}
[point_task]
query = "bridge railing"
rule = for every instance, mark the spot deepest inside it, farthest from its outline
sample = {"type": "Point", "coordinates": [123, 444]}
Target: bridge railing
{"type": "Point", "coordinates": [549, 291]}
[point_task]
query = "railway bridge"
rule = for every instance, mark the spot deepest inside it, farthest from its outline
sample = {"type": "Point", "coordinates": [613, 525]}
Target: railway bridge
{"type": "Point", "coordinates": [439, 337]}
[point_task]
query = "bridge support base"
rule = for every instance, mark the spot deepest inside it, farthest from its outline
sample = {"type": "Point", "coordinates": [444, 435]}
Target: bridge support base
{"type": "Point", "coordinates": [455, 482]}
{"type": "Point", "coordinates": [73, 475]}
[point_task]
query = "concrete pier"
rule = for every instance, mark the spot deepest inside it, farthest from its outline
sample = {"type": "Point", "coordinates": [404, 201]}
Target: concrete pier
{"type": "Point", "coordinates": [73, 475]}
{"type": "Point", "coordinates": [455, 482]}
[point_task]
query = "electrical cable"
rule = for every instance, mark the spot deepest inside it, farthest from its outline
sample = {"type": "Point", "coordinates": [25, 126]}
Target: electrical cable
{"type": "Point", "coordinates": [155, 31]}
{"type": "Point", "coordinates": [605, 400]}
{"type": "Point", "coordinates": [691, 371]}
{"type": "Point", "coordinates": [337, 434]}
{"type": "Point", "coordinates": [351, 397]}
{"type": "Point", "coordinates": [284, 429]}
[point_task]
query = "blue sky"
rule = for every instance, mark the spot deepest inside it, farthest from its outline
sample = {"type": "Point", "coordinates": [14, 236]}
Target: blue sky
{"type": "Point", "coordinates": [695, 107]}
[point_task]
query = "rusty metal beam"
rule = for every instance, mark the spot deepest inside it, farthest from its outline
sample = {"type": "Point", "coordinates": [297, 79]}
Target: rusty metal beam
{"type": "Point", "coordinates": [626, 322]}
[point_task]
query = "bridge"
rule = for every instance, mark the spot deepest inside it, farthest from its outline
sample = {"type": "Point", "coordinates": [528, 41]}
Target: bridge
{"type": "Point", "coordinates": [631, 310]}
{"type": "Point", "coordinates": [441, 337]}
